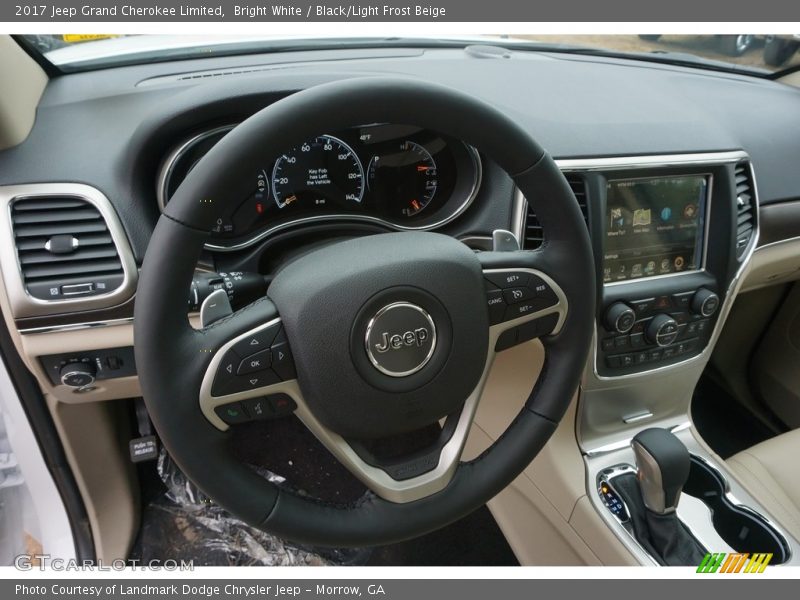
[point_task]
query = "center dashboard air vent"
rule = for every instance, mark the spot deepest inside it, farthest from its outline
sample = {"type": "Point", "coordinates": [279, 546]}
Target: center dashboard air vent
{"type": "Point", "coordinates": [745, 206]}
{"type": "Point", "coordinates": [534, 234]}
{"type": "Point", "coordinates": [69, 247]}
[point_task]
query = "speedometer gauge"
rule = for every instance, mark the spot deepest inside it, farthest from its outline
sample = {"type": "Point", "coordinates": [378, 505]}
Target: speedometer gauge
{"type": "Point", "coordinates": [407, 178]}
{"type": "Point", "coordinates": [319, 172]}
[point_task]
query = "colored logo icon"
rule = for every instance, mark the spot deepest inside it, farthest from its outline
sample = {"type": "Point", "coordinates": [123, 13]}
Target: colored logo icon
{"type": "Point", "coordinates": [666, 214]}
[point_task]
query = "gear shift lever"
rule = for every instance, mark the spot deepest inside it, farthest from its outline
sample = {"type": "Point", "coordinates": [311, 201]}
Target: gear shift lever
{"type": "Point", "coordinates": [663, 464]}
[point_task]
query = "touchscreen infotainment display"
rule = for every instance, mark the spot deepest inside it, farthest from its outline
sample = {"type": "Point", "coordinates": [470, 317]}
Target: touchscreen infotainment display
{"type": "Point", "coordinates": [654, 226]}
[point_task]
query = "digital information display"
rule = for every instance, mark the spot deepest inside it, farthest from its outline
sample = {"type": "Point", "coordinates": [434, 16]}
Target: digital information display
{"type": "Point", "coordinates": [654, 226]}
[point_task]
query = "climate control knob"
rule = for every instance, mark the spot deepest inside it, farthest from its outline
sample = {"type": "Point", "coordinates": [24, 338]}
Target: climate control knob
{"type": "Point", "coordinates": [662, 330]}
{"type": "Point", "coordinates": [78, 374]}
{"type": "Point", "coordinates": [705, 302]}
{"type": "Point", "coordinates": [620, 317]}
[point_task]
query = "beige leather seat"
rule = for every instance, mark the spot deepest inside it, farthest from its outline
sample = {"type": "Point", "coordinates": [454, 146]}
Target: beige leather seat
{"type": "Point", "coordinates": [771, 473]}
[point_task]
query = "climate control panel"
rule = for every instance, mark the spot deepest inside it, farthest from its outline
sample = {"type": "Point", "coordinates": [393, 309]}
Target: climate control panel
{"type": "Point", "coordinates": [638, 334]}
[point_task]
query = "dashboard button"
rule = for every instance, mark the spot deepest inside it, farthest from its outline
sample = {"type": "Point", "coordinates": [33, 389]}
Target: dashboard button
{"type": "Point", "coordinates": [626, 360]}
{"type": "Point", "coordinates": [668, 352]}
{"type": "Point", "coordinates": [637, 340]}
{"type": "Point", "coordinates": [254, 363]}
{"type": "Point", "coordinates": [643, 307]}
{"type": "Point", "coordinates": [622, 341]}
{"type": "Point", "coordinates": [640, 358]}
{"type": "Point", "coordinates": [703, 325]}
{"type": "Point", "coordinates": [682, 300]}
{"type": "Point", "coordinates": [662, 303]}
{"type": "Point", "coordinates": [607, 344]}
{"type": "Point", "coordinates": [612, 361]}
{"type": "Point", "coordinates": [654, 355]}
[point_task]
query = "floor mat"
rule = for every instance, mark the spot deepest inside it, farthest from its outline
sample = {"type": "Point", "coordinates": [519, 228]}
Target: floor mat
{"type": "Point", "coordinates": [725, 424]}
{"type": "Point", "coordinates": [179, 522]}
{"type": "Point", "coordinates": [475, 540]}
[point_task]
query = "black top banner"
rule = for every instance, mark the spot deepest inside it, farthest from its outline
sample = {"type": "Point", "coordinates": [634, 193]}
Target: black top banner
{"type": "Point", "coordinates": [75, 11]}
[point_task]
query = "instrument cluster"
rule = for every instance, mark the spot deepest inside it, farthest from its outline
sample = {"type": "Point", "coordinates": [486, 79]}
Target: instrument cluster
{"type": "Point", "coordinates": [401, 176]}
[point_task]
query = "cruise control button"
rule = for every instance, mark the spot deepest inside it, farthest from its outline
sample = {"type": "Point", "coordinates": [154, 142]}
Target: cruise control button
{"type": "Point", "coordinates": [282, 361]}
{"type": "Point", "coordinates": [254, 363]}
{"type": "Point", "coordinates": [517, 294]}
{"type": "Point", "coordinates": [508, 279]}
{"type": "Point", "coordinates": [261, 340]}
{"type": "Point", "coordinates": [497, 306]}
{"type": "Point", "coordinates": [542, 289]}
{"type": "Point", "coordinates": [232, 413]}
{"type": "Point", "coordinates": [528, 307]}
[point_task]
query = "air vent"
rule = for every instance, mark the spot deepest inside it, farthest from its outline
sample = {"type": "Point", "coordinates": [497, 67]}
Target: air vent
{"type": "Point", "coordinates": [64, 248]}
{"type": "Point", "coordinates": [745, 207]}
{"type": "Point", "coordinates": [534, 234]}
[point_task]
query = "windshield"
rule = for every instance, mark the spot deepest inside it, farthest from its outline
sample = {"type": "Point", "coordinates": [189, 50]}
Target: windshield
{"type": "Point", "coordinates": [747, 53]}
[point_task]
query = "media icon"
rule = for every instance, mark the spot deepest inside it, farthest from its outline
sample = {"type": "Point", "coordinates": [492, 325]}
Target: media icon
{"type": "Point", "coordinates": [690, 211]}
{"type": "Point", "coordinates": [679, 263]}
{"type": "Point", "coordinates": [636, 270]}
{"type": "Point", "coordinates": [666, 214]}
{"type": "Point", "coordinates": [665, 265]}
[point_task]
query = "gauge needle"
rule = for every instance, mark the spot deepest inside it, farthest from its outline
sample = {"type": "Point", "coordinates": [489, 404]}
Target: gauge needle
{"type": "Point", "coordinates": [290, 199]}
{"type": "Point", "coordinates": [415, 204]}
{"type": "Point", "coordinates": [422, 168]}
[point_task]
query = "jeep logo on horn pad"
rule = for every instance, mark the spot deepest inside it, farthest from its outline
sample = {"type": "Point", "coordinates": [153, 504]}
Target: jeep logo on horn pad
{"type": "Point", "coordinates": [400, 339]}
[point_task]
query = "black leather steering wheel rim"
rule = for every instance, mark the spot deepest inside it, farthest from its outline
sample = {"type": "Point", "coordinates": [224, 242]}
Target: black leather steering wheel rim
{"type": "Point", "coordinates": [171, 357]}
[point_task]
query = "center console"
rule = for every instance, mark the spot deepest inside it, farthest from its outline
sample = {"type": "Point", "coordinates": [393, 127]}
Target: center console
{"type": "Point", "coordinates": [672, 238]}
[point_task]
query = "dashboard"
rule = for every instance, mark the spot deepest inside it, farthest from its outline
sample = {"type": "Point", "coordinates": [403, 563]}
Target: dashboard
{"type": "Point", "coordinates": [400, 176]}
{"type": "Point", "coordinates": [655, 155]}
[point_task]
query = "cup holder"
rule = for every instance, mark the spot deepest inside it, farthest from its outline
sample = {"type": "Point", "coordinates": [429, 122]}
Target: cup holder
{"type": "Point", "coordinates": [741, 527]}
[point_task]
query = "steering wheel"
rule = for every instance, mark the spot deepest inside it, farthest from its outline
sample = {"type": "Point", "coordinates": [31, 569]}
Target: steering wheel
{"type": "Point", "coordinates": [368, 338]}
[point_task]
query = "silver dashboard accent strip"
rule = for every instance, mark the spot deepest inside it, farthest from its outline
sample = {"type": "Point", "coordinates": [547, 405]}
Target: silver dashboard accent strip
{"type": "Point", "coordinates": [76, 326]}
{"type": "Point", "coordinates": [25, 305]}
{"type": "Point", "coordinates": [616, 163]}
{"type": "Point", "coordinates": [375, 478]}
{"type": "Point", "coordinates": [168, 165]}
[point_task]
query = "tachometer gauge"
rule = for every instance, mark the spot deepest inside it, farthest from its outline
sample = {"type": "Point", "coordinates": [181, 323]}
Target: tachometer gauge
{"type": "Point", "coordinates": [407, 177]}
{"type": "Point", "coordinates": [323, 171]}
